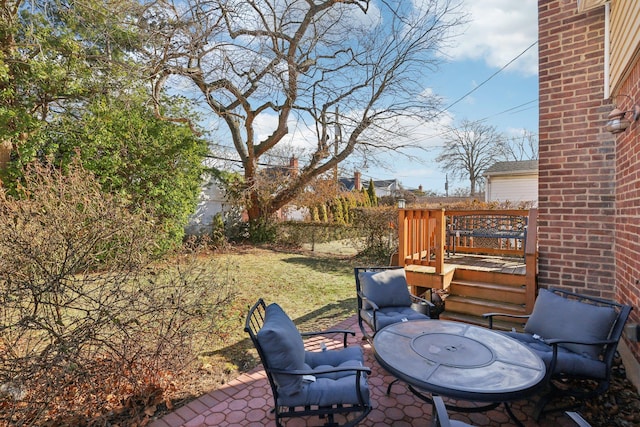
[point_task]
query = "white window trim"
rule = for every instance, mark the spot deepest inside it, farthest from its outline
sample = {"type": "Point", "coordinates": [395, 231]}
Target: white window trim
{"type": "Point", "coordinates": [584, 5]}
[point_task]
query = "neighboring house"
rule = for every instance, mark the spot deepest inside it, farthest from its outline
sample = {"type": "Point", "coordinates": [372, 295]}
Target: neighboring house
{"type": "Point", "coordinates": [589, 185]}
{"type": "Point", "coordinates": [383, 187]}
{"type": "Point", "coordinates": [514, 182]}
{"type": "Point", "coordinates": [212, 201]}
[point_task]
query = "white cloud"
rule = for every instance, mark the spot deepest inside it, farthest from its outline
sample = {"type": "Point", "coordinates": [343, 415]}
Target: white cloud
{"type": "Point", "coordinates": [498, 31]}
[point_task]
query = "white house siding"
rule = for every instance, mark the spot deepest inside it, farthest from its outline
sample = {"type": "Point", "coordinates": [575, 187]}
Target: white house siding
{"type": "Point", "coordinates": [512, 189]}
{"type": "Point", "coordinates": [211, 202]}
{"type": "Point", "coordinates": [294, 213]}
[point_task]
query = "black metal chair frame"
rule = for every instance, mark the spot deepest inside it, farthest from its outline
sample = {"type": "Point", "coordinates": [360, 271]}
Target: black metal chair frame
{"type": "Point", "coordinates": [557, 384]}
{"type": "Point", "coordinates": [439, 414]}
{"type": "Point", "coordinates": [362, 299]}
{"type": "Point", "coordinates": [254, 322]}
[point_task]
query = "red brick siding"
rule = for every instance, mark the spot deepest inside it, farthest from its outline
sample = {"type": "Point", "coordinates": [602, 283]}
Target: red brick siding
{"type": "Point", "coordinates": [589, 188]}
{"type": "Point", "coordinates": [577, 158]}
{"type": "Point", "coordinates": [628, 204]}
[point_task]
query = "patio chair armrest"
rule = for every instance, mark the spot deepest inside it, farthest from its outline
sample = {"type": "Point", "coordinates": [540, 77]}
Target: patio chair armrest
{"type": "Point", "coordinates": [415, 298]}
{"type": "Point", "coordinates": [440, 411]}
{"type": "Point", "coordinates": [490, 316]}
{"type": "Point", "coordinates": [425, 302]}
{"type": "Point", "coordinates": [344, 333]}
{"type": "Point", "coordinates": [366, 300]}
{"type": "Point", "coordinates": [557, 341]}
{"type": "Point", "coordinates": [364, 369]}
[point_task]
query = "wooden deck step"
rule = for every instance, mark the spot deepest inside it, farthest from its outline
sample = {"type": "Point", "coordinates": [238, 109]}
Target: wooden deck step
{"type": "Point", "coordinates": [422, 278]}
{"type": "Point", "coordinates": [479, 306]}
{"type": "Point", "coordinates": [501, 325]}
{"type": "Point", "coordinates": [474, 285]}
{"type": "Point", "coordinates": [506, 279]}
{"type": "Point", "coordinates": [488, 291]}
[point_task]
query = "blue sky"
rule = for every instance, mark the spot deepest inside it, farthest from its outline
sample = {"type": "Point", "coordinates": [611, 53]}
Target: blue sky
{"type": "Point", "coordinates": [499, 33]}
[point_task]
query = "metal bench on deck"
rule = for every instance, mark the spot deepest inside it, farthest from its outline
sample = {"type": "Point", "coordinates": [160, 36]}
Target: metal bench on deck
{"type": "Point", "coordinates": [498, 226]}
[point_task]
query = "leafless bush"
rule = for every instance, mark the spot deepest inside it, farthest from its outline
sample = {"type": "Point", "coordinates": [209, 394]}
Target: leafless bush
{"type": "Point", "coordinates": [90, 329]}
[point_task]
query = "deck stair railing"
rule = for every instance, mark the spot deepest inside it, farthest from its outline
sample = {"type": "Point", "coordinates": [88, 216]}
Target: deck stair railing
{"type": "Point", "coordinates": [421, 238]}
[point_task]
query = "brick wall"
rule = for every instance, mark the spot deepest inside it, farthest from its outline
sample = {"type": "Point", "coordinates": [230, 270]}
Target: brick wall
{"type": "Point", "coordinates": [589, 186]}
{"type": "Point", "coordinates": [577, 157]}
{"type": "Point", "coordinates": [628, 205]}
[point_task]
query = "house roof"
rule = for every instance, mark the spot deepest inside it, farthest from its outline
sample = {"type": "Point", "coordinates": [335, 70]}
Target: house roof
{"type": "Point", "coordinates": [513, 168]}
{"type": "Point", "coordinates": [381, 183]}
{"type": "Point", "coordinates": [349, 183]}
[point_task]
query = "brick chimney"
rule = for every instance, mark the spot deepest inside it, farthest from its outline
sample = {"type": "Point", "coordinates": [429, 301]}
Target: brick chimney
{"type": "Point", "coordinates": [357, 184]}
{"type": "Point", "coordinates": [293, 167]}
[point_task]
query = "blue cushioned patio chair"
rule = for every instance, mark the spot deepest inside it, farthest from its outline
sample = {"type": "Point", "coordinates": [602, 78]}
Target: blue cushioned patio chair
{"type": "Point", "coordinates": [331, 384]}
{"type": "Point", "coordinates": [576, 336]}
{"type": "Point", "coordinates": [384, 299]}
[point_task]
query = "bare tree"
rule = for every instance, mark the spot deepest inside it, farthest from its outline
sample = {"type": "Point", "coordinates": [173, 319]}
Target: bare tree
{"type": "Point", "coordinates": [469, 150]}
{"type": "Point", "coordinates": [347, 70]}
{"type": "Point", "coordinates": [522, 147]}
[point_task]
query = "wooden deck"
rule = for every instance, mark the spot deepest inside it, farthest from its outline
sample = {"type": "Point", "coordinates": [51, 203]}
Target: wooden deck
{"type": "Point", "coordinates": [478, 274]}
{"type": "Point", "coordinates": [509, 265]}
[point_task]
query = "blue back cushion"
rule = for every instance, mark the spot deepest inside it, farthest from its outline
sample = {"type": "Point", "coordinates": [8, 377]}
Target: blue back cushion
{"type": "Point", "coordinates": [283, 348]}
{"type": "Point", "coordinates": [387, 288]}
{"type": "Point", "coordinates": [561, 318]}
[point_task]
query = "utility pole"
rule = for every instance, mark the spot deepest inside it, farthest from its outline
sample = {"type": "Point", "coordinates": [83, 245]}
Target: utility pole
{"type": "Point", "coordinates": [446, 185]}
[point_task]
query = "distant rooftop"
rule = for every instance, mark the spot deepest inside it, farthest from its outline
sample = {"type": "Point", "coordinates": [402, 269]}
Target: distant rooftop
{"type": "Point", "coordinates": [521, 166]}
{"type": "Point", "coordinates": [349, 183]}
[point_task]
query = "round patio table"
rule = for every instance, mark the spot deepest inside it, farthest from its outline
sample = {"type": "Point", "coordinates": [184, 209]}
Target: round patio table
{"type": "Point", "coordinates": [460, 361]}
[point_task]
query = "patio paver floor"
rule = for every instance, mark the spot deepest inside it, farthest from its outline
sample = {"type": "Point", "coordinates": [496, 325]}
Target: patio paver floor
{"type": "Point", "coordinates": [247, 401]}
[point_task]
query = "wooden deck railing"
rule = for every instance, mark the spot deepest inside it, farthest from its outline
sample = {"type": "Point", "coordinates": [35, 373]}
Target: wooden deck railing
{"type": "Point", "coordinates": [421, 238]}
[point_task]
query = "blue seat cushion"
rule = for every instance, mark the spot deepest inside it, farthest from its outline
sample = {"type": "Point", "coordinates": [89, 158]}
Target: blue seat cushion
{"type": "Point", "coordinates": [327, 358]}
{"type": "Point", "coordinates": [332, 388]}
{"type": "Point", "coordinates": [283, 348]}
{"type": "Point", "coordinates": [386, 288]}
{"type": "Point", "coordinates": [390, 315]}
{"type": "Point", "coordinates": [567, 362]}
{"type": "Point", "coordinates": [555, 317]}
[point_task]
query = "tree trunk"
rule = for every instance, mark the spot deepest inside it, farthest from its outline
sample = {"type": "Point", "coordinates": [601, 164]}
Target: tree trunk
{"type": "Point", "coordinates": [254, 212]}
{"type": "Point", "coordinates": [5, 155]}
